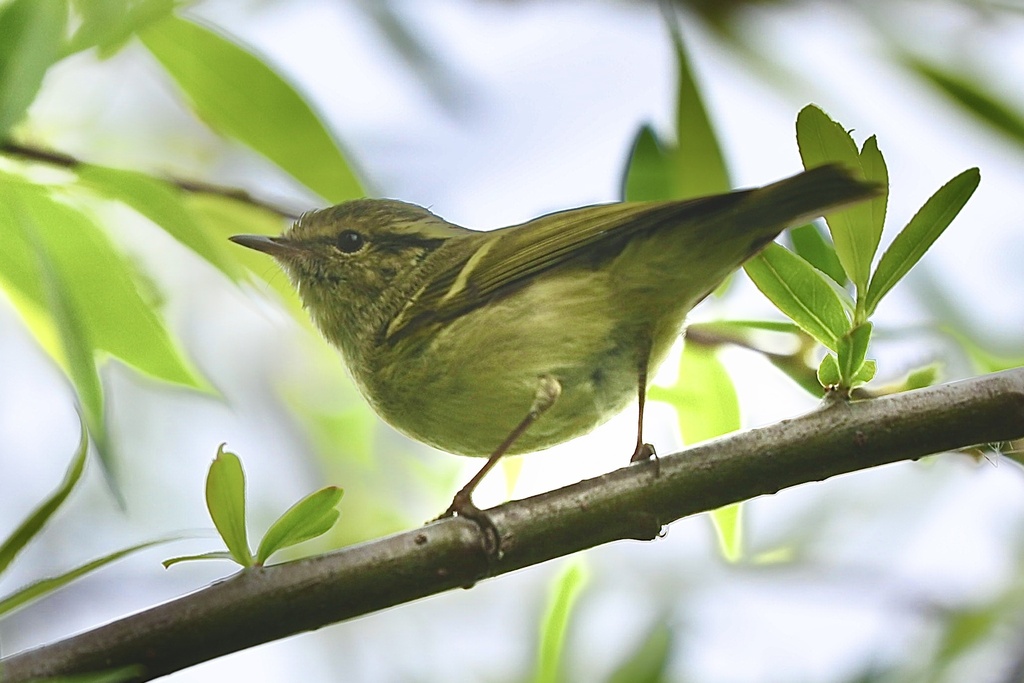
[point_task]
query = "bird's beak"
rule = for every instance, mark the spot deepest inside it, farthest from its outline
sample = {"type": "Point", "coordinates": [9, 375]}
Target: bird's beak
{"type": "Point", "coordinates": [278, 247]}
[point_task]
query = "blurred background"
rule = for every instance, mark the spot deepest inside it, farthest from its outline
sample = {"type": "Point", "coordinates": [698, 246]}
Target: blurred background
{"type": "Point", "coordinates": [490, 113]}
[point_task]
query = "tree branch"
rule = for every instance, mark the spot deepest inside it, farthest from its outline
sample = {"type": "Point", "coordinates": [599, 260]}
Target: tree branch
{"type": "Point", "coordinates": [194, 186]}
{"type": "Point", "coordinates": [259, 605]}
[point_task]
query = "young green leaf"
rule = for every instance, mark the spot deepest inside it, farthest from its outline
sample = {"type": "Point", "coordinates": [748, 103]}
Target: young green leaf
{"type": "Point", "coordinates": [801, 292]}
{"type": "Point", "coordinates": [810, 244]}
{"type": "Point", "coordinates": [237, 94]}
{"type": "Point", "coordinates": [32, 31]}
{"type": "Point", "coordinates": [34, 523]}
{"type": "Point", "coordinates": [921, 232]}
{"type": "Point", "coordinates": [821, 141]}
{"type": "Point", "coordinates": [872, 163]}
{"type": "Point", "coordinates": [225, 499]}
{"type": "Point", "coordinates": [42, 588]}
{"type": "Point", "coordinates": [565, 592]}
{"type": "Point", "coordinates": [828, 371]}
{"type": "Point", "coordinates": [853, 347]}
{"type": "Point", "coordinates": [866, 373]}
{"type": "Point", "coordinates": [312, 516]}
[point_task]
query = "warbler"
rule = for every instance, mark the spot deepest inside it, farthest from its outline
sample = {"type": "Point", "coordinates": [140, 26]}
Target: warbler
{"type": "Point", "coordinates": [485, 343]}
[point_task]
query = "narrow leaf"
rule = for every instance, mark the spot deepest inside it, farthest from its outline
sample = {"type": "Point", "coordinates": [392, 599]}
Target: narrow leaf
{"type": "Point", "coordinates": [704, 398]}
{"type": "Point", "coordinates": [727, 326]}
{"type": "Point", "coordinates": [113, 302]}
{"type": "Point", "coordinates": [648, 663]}
{"type": "Point", "coordinates": [163, 205]}
{"type": "Point", "coordinates": [821, 141]}
{"type": "Point", "coordinates": [225, 499]}
{"type": "Point", "coordinates": [564, 593]}
{"type": "Point", "coordinates": [108, 24]}
{"type": "Point", "coordinates": [648, 176]}
{"type": "Point", "coordinates": [872, 163]}
{"type": "Point", "coordinates": [698, 162]}
{"type": "Point", "coordinates": [237, 94]}
{"type": "Point", "coordinates": [312, 516]}
{"type": "Point", "coordinates": [921, 232]}
{"type": "Point", "coordinates": [46, 295]}
{"type": "Point", "coordinates": [852, 350]}
{"type": "Point", "coordinates": [31, 31]}
{"type": "Point", "coordinates": [969, 94]}
{"type": "Point", "coordinates": [44, 587]}
{"type": "Point", "coordinates": [34, 523]}
{"type": "Point", "coordinates": [801, 292]}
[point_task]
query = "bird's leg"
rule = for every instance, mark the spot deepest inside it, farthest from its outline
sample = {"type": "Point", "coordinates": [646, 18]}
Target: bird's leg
{"type": "Point", "coordinates": [548, 391]}
{"type": "Point", "coordinates": [643, 451]}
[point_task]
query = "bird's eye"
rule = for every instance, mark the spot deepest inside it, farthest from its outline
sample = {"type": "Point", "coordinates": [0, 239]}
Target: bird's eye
{"type": "Point", "coordinates": [349, 242]}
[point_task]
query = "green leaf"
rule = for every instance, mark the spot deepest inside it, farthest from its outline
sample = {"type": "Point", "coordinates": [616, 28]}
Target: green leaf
{"type": "Point", "coordinates": [985, 361]}
{"type": "Point", "coordinates": [822, 141]}
{"type": "Point", "coordinates": [801, 292]}
{"type": "Point", "coordinates": [238, 95]}
{"type": "Point", "coordinates": [704, 398]}
{"type": "Point", "coordinates": [99, 287]}
{"type": "Point", "coordinates": [695, 166]}
{"type": "Point", "coordinates": [649, 661]}
{"type": "Point", "coordinates": [922, 377]}
{"type": "Point", "coordinates": [811, 245]}
{"type": "Point", "coordinates": [312, 516]}
{"type": "Point", "coordinates": [37, 278]}
{"type": "Point", "coordinates": [222, 217]}
{"type": "Point", "coordinates": [108, 24]}
{"type": "Point", "coordinates": [225, 499]}
{"type": "Point", "coordinates": [44, 587]}
{"type": "Point", "coordinates": [828, 371]}
{"type": "Point", "coordinates": [700, 167]}
{"type": "Point", "coordinates": [32, 31]}
{"type": "Point", "coordinates": [872, 163]}
{"type": "Point", "coordinates": [853, 347]}
{"type": "Point", "coordinates": [866, 373]}
{"type": "Point", "coordinates": [163, 204]}
{"type": "Point", "coordinates": [742, 326]}
{"type": "Point", "coordinates": [648, 176]}
{"type": "Point", "coordinates": [564, 593]}
{"type": "Point", "coordinates": [921, 232]}
{"type": "Point", "coordinates": [968, 93]}
{"type": "Point", "coordinates": [34, 523]}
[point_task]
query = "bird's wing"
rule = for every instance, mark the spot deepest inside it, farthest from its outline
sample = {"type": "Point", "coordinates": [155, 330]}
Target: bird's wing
{"type": "Point", "coordinates": [588, 236]}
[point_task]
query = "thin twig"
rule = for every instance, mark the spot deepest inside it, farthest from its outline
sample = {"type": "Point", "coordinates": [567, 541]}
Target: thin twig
{"type": "Point", "coordinates": [193, 186]}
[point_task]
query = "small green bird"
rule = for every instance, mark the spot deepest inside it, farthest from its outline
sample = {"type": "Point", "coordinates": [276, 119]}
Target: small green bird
{"type": "Point", "coordinates": [517, 339]}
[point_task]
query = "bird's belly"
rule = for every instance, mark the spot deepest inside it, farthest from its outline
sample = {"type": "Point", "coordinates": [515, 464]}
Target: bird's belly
{"type": "Point", "coordinates": [466, 389]}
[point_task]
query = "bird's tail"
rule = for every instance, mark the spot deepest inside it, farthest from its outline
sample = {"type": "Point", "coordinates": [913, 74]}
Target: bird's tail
{"type": "Point", "coordinates": [802, 197]}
